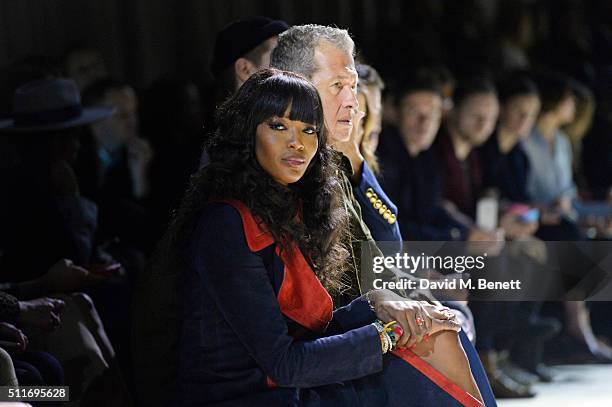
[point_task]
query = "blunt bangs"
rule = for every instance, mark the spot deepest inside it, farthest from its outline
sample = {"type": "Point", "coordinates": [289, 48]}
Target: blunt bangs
{"type": "Point", "coordinates": [281, 92]}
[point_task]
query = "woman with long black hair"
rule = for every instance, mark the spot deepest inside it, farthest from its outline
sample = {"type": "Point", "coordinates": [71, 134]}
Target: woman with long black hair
{"type": "Point", "coordinates": [256, 252]}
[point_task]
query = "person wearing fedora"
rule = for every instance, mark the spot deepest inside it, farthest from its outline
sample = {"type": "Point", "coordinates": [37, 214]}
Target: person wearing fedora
{"type": "Point", "coordinates": [40, 191]}
{"type": "Point", "coordinates": [43, 137]}
{"type": "Point", "coordinates": [241, 49]}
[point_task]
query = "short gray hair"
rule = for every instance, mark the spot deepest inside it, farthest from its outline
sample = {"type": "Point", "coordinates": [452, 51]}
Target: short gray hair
{"type": "Point", "coordinates": [296, 47]}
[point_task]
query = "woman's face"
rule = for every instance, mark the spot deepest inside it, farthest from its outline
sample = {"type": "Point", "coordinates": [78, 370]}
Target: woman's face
{"type": "Point", "coordinates": [284, 148]}
{"type": "Point", "coordinates": [519, 114]}
{"type": "Point", "coordinates": [373, 122]}
{"type": "Point", "coordinates": [566, 110]}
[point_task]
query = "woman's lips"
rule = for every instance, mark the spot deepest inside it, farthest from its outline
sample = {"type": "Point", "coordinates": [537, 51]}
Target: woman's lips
{"type": "Point", "coordinates": [294, 161]}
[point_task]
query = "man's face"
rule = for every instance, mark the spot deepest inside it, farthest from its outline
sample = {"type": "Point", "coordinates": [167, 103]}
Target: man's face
{"type": "Point", "coordinates": [336, 81]}
{"type": "Point", "coordinates": [475, 118]}
{"type": "Point", "coordinates": [269, 45]}
{"type": "Point", "coordinates": [420, 116]}
{"type": "Point", "coordinates": [122, 126]}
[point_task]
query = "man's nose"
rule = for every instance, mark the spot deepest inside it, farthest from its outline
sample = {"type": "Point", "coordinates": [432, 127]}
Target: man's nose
{"type": "Point", "coordinates": [349, 98]}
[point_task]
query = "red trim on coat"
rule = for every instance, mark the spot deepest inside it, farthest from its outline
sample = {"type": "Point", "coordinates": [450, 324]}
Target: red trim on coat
{"type": "Point", "coordinates": [463, 397]}
{"type": "Point", "coordinates": [270, 383]}
{"type": "Point", "coordinates": [301, 296]}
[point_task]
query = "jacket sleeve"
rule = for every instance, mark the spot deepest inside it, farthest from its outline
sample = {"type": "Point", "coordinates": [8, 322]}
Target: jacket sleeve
{"type": "Point", "coordinates": [383, 230]}
{"type": "Point", "coordinates": [9, 308]}
{"type": "Point", "coordinates": [238, 282]}
{"type": "Point", "coordinates": [357, 313]}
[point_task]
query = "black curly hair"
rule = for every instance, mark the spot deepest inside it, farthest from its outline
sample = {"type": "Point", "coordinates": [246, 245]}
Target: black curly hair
{"type": "Point", "coordinates": [308, 212]}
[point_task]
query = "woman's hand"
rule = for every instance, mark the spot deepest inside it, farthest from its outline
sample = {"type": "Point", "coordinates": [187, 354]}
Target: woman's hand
{"type": "Point", "coordinates": [10, 333]}
{"type": "Point", "coordinates": [417, 318]}
{"type": "Point", "coordinates": [42, 313]}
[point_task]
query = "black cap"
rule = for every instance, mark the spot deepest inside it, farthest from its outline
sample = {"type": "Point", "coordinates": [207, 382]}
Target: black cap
{"type": "Point", "coordinates": [238, 38]}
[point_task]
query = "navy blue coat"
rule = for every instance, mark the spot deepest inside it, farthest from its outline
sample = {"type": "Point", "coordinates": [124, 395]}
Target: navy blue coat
{"type": "Point", "coordinates": [258, 331]}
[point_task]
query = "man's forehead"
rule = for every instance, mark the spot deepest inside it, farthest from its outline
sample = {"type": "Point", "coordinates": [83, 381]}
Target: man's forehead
{"type": "Point", "coordinates": [333, 62]}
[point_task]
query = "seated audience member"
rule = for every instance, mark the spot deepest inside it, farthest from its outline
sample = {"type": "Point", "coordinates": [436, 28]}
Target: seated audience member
{"type": "Point", "coordinates": [550, 182]}
{"type": "Point", "coordinates": [550, 185]}
{"type": "Point", "coordinates": [241, 49]}
{"type": "Point", "coordinates": [369, 95]}
{"type": "Point", "coordinates": [504, 161]}
{"type": "Point", "coordinates": [409, 167]}
{"type": "Point", "coordinates": [113, 165]}
{"type": "Point", "coordinates": [85, 65]}
{"type": "Point", "coordinates": [469, 126]}
{"type": "Point", "coordinates": [300, 354]}
{"type": "Point", "coordinates": [505, 169]}
{"type": "Point", "coordinates": [580, 126]}
{"type": "Point", "coordinates": [42, 186]}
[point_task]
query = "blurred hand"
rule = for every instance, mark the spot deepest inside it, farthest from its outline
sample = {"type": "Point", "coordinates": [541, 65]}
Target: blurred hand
{"type": "Point", "coordinates": [64, 277]}
{"type": "Point", "coordinates": [10, 333]}
{"type": "Point", "coordinates": [41, 313]}
{"type": "Point", "coordinates": [515, 228]}
{"type": "Point", "coordinates": [482, 241]}
{"type": "Point", "coordinates": [140, 152]}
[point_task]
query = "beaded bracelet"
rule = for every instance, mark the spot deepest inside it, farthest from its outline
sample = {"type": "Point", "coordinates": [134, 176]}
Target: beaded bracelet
{"type": "Point", "coordinates": [389, 334]}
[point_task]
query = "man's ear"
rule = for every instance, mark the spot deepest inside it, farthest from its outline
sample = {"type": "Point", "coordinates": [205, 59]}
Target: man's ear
{"type": "Point", "coordinates": [244, 69]}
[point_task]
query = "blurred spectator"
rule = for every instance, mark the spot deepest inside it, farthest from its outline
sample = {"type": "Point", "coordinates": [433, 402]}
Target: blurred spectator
{"type": "Point", "coordinates": [369, 95]}
{"type": "Point", "coordinates": [242, 48]}
{"type": "Point", "coordinates": [85, 65]}
{"type": "Point", "coordinates": [409, 167]}
{"type": "Point", "coordinates": [504, 161]}
{"type": "Point", "coordinates": [515, 27]}
{"type": "Point", "coordinates": [597, 144]}
{"type": "Point", "coordinates": [469, 125]}
{"type": "Point", "coordinates": [579, 127]}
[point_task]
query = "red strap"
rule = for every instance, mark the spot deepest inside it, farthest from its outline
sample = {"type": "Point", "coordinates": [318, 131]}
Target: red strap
{"type": "Point", "coordinates": [463, 397]}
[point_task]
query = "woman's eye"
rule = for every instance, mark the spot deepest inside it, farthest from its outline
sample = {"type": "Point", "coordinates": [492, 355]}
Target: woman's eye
{"type": "Point", "coordinates": [310, 130]}
{"type": "Point", "coordinates": [276, 126]}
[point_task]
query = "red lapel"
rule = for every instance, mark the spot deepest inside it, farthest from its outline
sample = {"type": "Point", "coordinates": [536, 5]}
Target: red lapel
{"type": "Point", "coordinates": [301, 296]}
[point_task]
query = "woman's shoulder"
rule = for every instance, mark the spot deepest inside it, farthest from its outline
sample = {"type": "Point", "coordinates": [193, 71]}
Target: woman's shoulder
{"type": "Point", "coordinates": [231, 219]}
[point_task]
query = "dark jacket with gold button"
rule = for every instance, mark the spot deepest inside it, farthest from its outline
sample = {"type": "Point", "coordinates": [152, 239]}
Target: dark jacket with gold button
{"type": "Point", "coordinates": [379, 213]}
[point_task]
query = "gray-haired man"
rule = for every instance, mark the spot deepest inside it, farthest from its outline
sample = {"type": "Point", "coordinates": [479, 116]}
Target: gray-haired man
{"type": "Point", "coordinates": [325, 56]}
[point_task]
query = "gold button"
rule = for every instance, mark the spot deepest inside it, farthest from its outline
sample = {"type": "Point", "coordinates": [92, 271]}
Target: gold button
{"type": "Point", "coordinates": [369, 194]}
{"type": "Point", "coordinates": [370, 190]}
{"type": "Point", "coordinates": [373, 199]}
{"type": "Point", "coordinates": [387, 214]}
{"type": "Point", "coordinates": [392, 219]}
{"type": "Point", "coordinates": [378, 204]}
{"type": "Point", "coordinates": [382, 209]}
